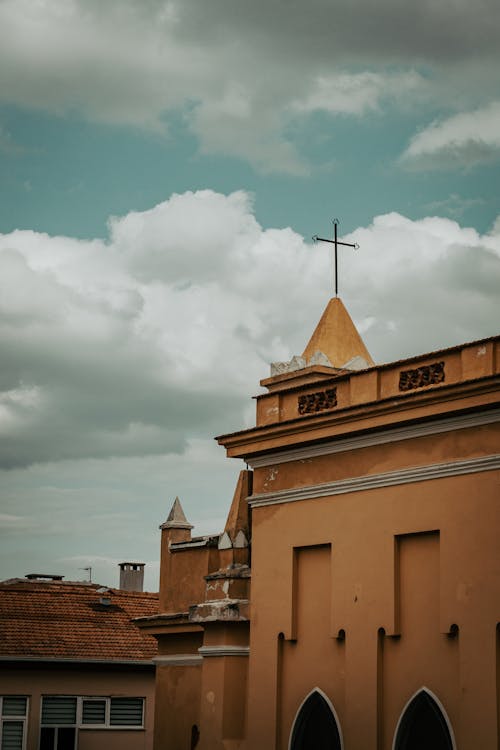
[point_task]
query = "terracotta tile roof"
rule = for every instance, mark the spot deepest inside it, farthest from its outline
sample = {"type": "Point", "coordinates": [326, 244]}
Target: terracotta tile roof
{"type": "Point", "coordinates": [65, 620]}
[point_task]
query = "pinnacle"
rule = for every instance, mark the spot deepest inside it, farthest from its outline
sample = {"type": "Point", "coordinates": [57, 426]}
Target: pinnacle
{"type": "Point", "coordinates": [176, 518]}
{"type": "Point", "coordinates": [336, 337]}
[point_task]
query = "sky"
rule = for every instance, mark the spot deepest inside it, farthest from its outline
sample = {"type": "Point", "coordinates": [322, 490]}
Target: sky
{"type": "Point", "coordinates": [163, 167]}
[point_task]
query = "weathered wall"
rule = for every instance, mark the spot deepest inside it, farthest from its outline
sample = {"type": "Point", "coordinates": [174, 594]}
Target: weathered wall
{"type": "Point", "coordinates": [177, 706]}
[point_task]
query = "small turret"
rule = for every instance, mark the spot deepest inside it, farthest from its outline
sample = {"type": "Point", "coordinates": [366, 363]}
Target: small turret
{"type": "Point", "coordinates": [174, 530]}
{"type": "Point", "coordinates": [176, 518]}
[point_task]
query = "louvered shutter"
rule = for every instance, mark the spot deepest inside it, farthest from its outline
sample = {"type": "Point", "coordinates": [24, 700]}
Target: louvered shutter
{"type": "Point", "coordinates": [126, 712]}
{"type": "Point", "coordinates": [93, 712]}
{"type": "Point", "coordinates": [12, 735]}
{"type": "Point", "coordinates": [57, 710]}
{"type": "Point", "coordinates": [14, 705]}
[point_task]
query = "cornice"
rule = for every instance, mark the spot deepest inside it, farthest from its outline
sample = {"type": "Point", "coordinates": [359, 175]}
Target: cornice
{"type": "Point", "coordinates": [165, 624]}
{"type": "Point", "coordinates": [376, 481]}
{"type": "Point", "coordinates": [377, 437]}
{"type": "Point", "coordinates": [208, 541]}
{"type": "Point", "coordinates": [223, 650]}
{"type": "Point", "coordinates": [178, 660]}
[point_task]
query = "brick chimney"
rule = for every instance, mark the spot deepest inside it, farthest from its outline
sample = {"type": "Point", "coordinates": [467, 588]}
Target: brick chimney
{"type": "Point", "coordinates": [131, 576]}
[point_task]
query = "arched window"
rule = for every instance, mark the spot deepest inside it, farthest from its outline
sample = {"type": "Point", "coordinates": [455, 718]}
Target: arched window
{"type": "Point", "coordinates": [423, 725]}
{"type": "Point", "coordinates": [315, 726]}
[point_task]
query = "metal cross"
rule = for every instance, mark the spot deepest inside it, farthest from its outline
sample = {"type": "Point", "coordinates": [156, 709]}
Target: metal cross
{"type": "Point", "coordinates": [336, 242]}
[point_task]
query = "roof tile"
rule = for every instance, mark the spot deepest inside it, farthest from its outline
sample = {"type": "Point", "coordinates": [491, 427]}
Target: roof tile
{"type": "Point", "coordinates": [65, 620]}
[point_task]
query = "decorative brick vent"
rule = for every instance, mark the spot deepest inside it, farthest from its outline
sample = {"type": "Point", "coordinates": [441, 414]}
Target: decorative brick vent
{"type": "Point", "coordinates": [422, 376]}
{"type": "Point", "coordinates": [313, 402]}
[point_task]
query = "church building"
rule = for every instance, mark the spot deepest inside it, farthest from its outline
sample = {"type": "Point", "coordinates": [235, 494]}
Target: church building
{"type": "Point", "coordinates": [352, 601]}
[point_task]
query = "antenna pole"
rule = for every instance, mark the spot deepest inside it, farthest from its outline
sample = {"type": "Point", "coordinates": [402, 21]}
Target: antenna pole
{"type": "Point", "coordinates": [89, 571]}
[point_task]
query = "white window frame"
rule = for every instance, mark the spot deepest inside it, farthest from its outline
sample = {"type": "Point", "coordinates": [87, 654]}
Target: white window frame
{"type": "Point", "coordinates": [56, 727]}
{"type": "Point", "coordinates": [436, 700]}
{"type": "Point", "coordinates": [93, 698]}
{"type": "Point", "coordinates": [107, 713]}
{"type": "Point", "coordinates": [10, 717]}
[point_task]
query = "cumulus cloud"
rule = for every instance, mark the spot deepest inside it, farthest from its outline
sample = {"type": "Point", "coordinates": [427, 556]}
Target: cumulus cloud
{"type": "Point", "coordinates": [239, 73]}
{"type": "Point", "coordinates": [437, 285]}
{"type": "Point", "coordinates": [466, 138]}
{"type": "Point", "coordinates": [153, 320]}
{"type": "Point", "coordinates": [135, 345]}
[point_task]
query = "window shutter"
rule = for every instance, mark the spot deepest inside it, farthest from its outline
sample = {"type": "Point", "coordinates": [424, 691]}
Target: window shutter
{"type": "Point", "coordinates": [14, 705]}
{"type": "Point", "coordinates": [58, 710]}
{"type": "Point", "coordinates": [126, 712]}
{"type": "Point", "coordinates": [12, 735]}
{"type": "Point", "coordinates": [94, 712]}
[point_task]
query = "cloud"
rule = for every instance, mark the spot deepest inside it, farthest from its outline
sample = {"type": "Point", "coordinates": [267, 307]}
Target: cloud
{"type": "Point", "coordinates": [466, 139]}
{"type": "Point", "coordinates": [239, 74]}
{"type": "Point", "coordinates": [433, 284]}
{"type": "Point", "coordinates": [355, 94]}
{"type": "Point", "coordinates": [454, 205]}
{"type": "Point", "coordinates": [10, 523]}
{"type": "Point", "coordinates": [118, 348]}
{"type": "Point", "coordinates": [136, 345]}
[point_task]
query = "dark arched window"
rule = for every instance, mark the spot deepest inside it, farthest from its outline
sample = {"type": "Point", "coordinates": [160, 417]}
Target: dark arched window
{"type": "Point", "coordinates": [315, 726]}
{"type": "Point", "coordinates": [423, 726]}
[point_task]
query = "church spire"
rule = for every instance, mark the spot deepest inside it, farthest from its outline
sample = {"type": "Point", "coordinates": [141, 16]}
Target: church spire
{"type": "Point", "coordinates": [335, 343]}
{"type": "Point", "coordinates": [336, 337]}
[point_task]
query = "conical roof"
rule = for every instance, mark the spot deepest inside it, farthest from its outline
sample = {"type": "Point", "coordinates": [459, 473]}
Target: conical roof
{"type": "Point", "coordinates": [176, 518]}
{"type": "Point", "coordinates": [336, 337]}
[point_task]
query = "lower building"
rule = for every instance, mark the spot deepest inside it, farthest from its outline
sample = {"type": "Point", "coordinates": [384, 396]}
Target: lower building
{"type": "Point", "coordinates": [75, 673]}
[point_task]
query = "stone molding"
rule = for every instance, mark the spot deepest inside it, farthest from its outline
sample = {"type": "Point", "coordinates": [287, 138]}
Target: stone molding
{"type": "Point", "coordinates": [377, 437]}
{"type": "Point", "coordinates": [375, 481]}
{"type": "Point", "coordinates": [178, 660]}
{"type": "Point", "coordinates": [224, 650]}
{"type": "Point", "coordinates": [205, 541]}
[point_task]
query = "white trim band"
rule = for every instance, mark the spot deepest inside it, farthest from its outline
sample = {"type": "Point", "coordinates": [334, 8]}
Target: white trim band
{"type": "Point", "coordinates": [378, 437]}
{"type": "Point", "coordinates": [224, 650]}
{"type": "Point", "coordinates": [374, 481]}
{"type": "Point", "coordinates": [178, 660]}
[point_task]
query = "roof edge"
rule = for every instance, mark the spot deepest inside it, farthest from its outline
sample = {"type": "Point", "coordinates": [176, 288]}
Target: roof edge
{"type": "Point", "coordinates": [60, 660]}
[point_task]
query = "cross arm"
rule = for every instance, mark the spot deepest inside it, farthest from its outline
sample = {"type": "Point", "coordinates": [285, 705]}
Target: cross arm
{"type": "Point", "coordinates": [335, 242]}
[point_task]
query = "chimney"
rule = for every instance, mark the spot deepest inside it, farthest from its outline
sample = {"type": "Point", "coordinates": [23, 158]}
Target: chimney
{"type": "Point", "coordinates": [131, 576]}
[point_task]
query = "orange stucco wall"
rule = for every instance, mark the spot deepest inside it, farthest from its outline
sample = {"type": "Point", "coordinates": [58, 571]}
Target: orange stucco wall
{"type": "Point", "coordinates": [413, 560]}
